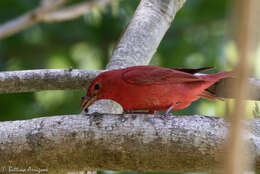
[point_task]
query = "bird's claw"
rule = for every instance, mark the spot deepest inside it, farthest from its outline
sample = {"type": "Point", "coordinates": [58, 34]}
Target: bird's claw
{"type": "Point", "coordinates": [167, 112]}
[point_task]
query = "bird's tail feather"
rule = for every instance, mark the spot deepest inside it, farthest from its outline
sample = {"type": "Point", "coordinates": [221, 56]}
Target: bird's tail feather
{"type": "Point", "coordinates": [216, 77]}
{"type": "Point", "coordinates": [210, 96]}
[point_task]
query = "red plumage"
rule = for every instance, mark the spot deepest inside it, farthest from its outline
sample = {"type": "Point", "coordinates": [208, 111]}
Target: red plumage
{"type": "Point", "coordinates": [152, 88]}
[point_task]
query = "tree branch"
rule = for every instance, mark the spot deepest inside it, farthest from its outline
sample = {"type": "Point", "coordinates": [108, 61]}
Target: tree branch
{"type": "Point", "coordinates": [136, 142]}
{"type": "Point", "coordinates": [66, 79]}
{"type": "Point", "coordinates": [24, 21]}
{"type": "Point", "coordinates": [46, 13]}
{"type": "Point", "coordinates": [48, 79]}
{"type": "Point", "coordinates": [144, 33]}
{"type": "Point", "coordinates": [74, 11]}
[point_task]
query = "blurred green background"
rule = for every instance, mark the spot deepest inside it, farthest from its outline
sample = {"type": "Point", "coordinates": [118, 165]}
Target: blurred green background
{"type": "Point", "coordinates": [199, 36]}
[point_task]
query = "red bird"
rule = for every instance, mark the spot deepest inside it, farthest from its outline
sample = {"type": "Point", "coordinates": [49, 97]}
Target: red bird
{"type": "Point", "coordinates": [152, 88]}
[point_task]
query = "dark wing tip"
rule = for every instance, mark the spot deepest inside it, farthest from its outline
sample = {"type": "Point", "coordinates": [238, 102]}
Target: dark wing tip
{"type": "Point", "coordinates": [194, 70]}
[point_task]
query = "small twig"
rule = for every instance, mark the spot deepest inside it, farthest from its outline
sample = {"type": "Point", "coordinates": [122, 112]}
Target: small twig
{"type": "Point", "coordinates": [74, 11]}
{"type": "Point", "coordinates": [46, 13]}
{"type": "Point", "coordinates": [11, 27]}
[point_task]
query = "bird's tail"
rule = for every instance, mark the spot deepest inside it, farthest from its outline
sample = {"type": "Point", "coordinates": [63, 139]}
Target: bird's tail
{"type": "Point", "coordinates": [209, 95]}
{"type": "Point", "coordinates": [213, 78]}
{"type": "Point", "coordinates": [216, 77]}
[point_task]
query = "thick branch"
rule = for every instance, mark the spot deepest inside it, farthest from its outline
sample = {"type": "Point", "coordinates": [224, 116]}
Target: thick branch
{"type": "Point", "coordinates": [119, 142]}
{"type": "Point", "coordinates": [49, 79]}
{"type": "Point", "coordinates": [142, 36]}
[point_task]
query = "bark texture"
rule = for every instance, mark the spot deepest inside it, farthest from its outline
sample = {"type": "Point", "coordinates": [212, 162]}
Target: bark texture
{"type": "Point", "coordinates": [48, 79]}
{"type": "Point", "coordinates": [132, 142]}
{"type": "Point", "coordinates": [144, 33]}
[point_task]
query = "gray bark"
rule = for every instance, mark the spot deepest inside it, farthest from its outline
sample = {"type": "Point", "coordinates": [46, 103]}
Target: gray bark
{"type": "Point", "coordinates": [144, 33]}
{"type": "Point", "coordinates": [136, 142]}
{"type": "Point", "coordinates": [48, 79]}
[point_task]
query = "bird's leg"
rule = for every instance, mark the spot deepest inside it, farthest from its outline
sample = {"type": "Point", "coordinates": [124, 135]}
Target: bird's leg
{"type": "Point", "coordinates": [153, 112]}
{"type": "Point", "coordinates": [156, 112]}
{"type": "Point", "coordinates": [168, 110]}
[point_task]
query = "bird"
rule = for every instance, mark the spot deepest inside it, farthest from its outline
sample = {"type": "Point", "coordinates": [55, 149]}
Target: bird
{"type": "Point", "coordinates": [152, 88]}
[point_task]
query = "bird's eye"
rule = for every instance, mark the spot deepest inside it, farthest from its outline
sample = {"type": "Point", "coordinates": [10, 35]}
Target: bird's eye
{"type": "Point", "coordinates": [96, 87]}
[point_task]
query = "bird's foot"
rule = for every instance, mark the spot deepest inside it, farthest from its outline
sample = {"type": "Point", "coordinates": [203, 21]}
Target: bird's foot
{"type": "Point", "coordinates": [167, 113]}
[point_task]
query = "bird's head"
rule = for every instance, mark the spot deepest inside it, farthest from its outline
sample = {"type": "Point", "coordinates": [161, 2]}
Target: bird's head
{"type": "Point", "coordinates": [101, 88]}
{"type": "Point", "coordinates": [93, 94]}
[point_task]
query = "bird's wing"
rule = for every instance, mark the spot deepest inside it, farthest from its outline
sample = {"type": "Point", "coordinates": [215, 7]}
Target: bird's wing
{"type": "Point", "coordinates": [148, 75]}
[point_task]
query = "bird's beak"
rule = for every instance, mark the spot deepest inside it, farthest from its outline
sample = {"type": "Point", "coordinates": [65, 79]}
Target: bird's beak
{"type": "Point", "coordinates": [87, 101]}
